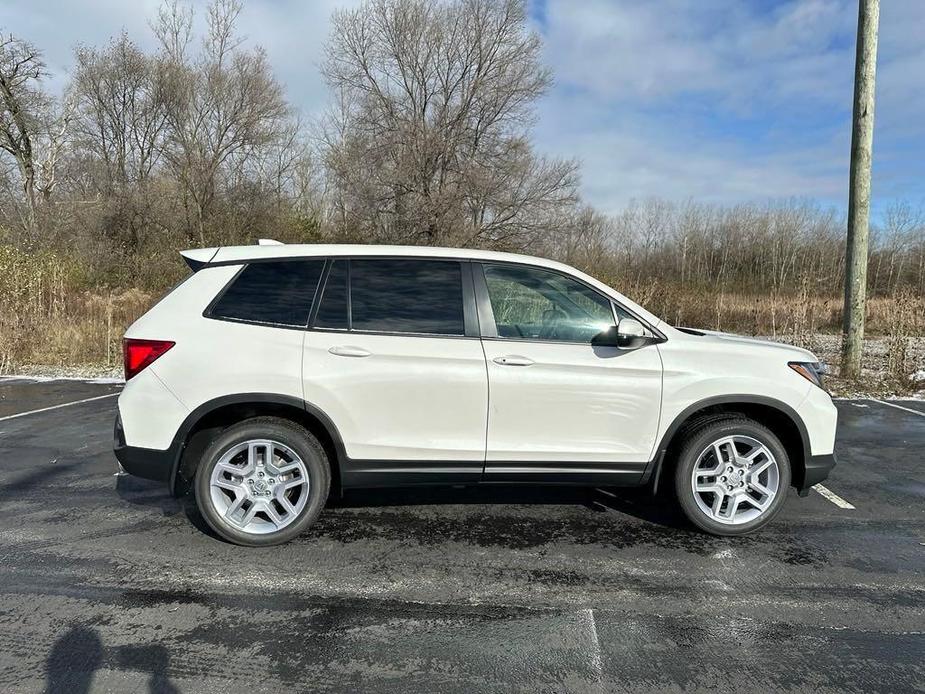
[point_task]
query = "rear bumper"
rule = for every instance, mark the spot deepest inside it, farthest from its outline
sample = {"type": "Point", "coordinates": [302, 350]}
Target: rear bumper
{"type": "Point", "coordinates": [818, 468]}
{"type": "Point", "coordinates": [149, 463]}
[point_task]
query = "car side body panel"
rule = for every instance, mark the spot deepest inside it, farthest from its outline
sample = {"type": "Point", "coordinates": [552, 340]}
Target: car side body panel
{"type": "Point", "coordinates": [698, 369]}
{"type": "Point", "coordinates": [573, 404]}
{"type": "Point", "coordinates": [211, 359]}
{"type": "Point", "coordinates": [409, 398]}
{"type": "Point", "coordinates": [150, 412]}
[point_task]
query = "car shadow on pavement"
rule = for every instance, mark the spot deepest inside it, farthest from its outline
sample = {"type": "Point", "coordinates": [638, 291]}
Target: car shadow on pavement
{"type": "Point", "coordinates": [639, 503]}
{"type": "Point", "coordinates": [141, 492]}
{"type": "Point", "coordinates": [78, 653]}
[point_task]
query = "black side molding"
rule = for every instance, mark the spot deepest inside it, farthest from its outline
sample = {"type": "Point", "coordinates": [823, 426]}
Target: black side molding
{"type": "Point", "coordinates": [653, 471]}
{"type": "Point", "coordinates": [818, 468]}
{"type": "Point", "coordinates": [164, 465]}
{"type": "Point", "coordinates": [193, 418]}
{"type": "Point", "coordinates": [148, 463]}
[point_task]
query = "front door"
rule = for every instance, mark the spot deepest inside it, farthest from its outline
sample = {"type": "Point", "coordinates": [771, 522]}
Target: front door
{"type": "Point", "coordinates": [560, 408]}
{"type": "Point", "coordinates": [389, 360]}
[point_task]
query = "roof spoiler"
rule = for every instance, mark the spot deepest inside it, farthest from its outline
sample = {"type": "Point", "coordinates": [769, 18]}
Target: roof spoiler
{"type": "Point", "coordinates": [198, 258]}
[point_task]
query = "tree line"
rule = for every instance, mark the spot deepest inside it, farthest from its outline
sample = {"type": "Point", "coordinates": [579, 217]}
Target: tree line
{"type": "Point", "coordinates": [426, 140]}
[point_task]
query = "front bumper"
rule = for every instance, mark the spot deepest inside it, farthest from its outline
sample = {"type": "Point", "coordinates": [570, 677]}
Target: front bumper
{"type": "Point", "coordinates": [149, 463]}
{"type": "Point", "coordinates": [818, 468]}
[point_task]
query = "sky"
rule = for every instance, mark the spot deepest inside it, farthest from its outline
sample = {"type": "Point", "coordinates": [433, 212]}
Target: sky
{"type": "Point", "coordinates": [720, 101]}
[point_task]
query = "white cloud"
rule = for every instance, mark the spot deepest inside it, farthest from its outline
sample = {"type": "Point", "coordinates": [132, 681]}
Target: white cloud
{"type": "Point", "coordinates": [629, 157]}
{"type": "Point", "coordinates": [722, 100]}
{"type": "Point", "coordinates": [727, 100]}
{"type": "Point", "coordinates": [291, 31]}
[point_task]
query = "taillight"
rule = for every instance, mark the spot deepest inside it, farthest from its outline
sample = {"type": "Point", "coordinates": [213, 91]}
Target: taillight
{"type": "Point", "coordinates": [140, 354]}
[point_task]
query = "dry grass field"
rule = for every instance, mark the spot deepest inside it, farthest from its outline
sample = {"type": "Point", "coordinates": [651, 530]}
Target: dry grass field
{"type": "Point", "coordinates": [54, 321]}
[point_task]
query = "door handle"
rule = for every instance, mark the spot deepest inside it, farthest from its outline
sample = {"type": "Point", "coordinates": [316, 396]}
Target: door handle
{"type": "Point", "coordinates": [513, 360]}
{"type": "Point", "coordinates": [348, 351]}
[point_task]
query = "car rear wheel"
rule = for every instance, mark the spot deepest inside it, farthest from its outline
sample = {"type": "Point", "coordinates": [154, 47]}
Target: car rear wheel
{"type": "Point", "coordinates": [262, 481]}
{"type": "Point", "coordinates": [732, 476]}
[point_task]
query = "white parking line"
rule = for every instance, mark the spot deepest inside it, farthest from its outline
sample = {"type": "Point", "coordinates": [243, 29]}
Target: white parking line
{"type": "Point", "coordinates": [597, 665]}
{"type": "Point", "coordinates": [57, 407]}
{"type": "Point", "coordinates": [833, 497]}
{"type": "Point", "coordinates": [898, 407]}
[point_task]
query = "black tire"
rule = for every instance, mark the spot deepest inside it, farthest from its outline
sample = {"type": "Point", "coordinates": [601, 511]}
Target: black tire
{"type": "Point", "coordinates": [287, 433]}
{"type": "Point", "coordinates": [695, 440]}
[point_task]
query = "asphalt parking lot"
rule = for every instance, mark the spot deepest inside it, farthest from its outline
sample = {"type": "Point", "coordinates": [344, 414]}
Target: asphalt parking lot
{"type": "Point", "coordinates": [109, 584]}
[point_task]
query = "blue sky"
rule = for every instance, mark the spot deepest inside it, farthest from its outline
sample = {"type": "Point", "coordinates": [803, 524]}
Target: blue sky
{"type": "Point", "coordinates": [720, 101]}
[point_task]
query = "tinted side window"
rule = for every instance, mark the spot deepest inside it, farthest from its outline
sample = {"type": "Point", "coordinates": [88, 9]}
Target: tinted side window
{"type": "Point", "coordinates": [407, 296]}
{"type": "Point", "coordinates": [332, 311]}
{"type": "Point", "coordinates": [534, 304]}
{"type": "Point", "coordinates": [277, 292]}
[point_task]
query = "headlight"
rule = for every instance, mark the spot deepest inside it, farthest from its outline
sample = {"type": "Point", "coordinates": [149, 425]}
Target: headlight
{"type": "Point", "coordinates": [812, 371]}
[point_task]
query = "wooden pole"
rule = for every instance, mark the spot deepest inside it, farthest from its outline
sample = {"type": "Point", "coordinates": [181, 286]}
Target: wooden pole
{"type": "Point", "coordinates": [862, 137]}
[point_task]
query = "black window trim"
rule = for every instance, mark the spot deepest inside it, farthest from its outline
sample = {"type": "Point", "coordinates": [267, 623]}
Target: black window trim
{"type": "Point", "coordinates": [208, 312]}
{"type": "Point", "coordinates": [319, 297]}
{"type": "Point", "coordinates": [478, 318]}
{"type": "Point", "coordinates": [487, 315]}
{"type": "Point", "coordinates": [470, 313]}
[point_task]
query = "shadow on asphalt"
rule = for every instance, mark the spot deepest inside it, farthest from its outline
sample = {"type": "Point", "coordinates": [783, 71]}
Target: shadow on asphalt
{"type": "Point", "coordinates": [79, 653]}
{"type": "Point", "coordinates": [141, 492]}
{"type": "Point", "coordinates": [638, 503]}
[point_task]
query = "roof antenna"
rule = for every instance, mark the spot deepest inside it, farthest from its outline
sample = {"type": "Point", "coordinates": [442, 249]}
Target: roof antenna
{"type": "Point", "coordinates": [269, 242]}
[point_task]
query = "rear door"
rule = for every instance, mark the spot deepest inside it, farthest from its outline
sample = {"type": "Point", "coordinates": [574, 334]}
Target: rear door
{"type": "Point", "coordinates": [393, 357]}
{"type": "Point", "coordinates": [559, 407]}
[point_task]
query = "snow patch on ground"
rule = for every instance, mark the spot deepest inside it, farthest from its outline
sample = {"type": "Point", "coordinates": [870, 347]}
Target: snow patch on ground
{"type": "Point", "coordinates": [102, 380]}
{"type": "Point", "coordinates": [42, 373]}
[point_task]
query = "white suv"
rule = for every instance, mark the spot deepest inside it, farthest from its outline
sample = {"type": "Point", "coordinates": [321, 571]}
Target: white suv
{"type": "Point", "coordinates": [278, 372]}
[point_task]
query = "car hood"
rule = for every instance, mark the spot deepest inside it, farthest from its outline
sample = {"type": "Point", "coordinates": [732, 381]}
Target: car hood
{"type": "Point", "coordinates": [793, 353]}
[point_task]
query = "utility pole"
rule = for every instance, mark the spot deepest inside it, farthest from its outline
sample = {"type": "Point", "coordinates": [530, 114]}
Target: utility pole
{"type": "Point", "coordinates": [862, 137]}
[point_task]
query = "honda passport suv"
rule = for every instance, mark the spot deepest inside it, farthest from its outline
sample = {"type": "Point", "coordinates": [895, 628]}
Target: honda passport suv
{"type": "Point", "coordinates": [277, 373]}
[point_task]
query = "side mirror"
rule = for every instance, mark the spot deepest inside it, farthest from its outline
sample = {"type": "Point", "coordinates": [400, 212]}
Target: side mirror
{"type": "Point", "coordinates": [606, 338]}
{"type": "Point", "coordinates": [630, 334]}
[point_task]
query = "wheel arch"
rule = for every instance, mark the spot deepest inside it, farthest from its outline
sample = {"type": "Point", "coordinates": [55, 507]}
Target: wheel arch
{"type": "Point", "coordinates": [778, 416]}
{"type": "Point", "coordinates": [204, 422]}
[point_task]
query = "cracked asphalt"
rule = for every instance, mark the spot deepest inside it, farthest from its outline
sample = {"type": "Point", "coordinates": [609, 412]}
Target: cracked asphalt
{"type": "Point", "coordinates": [109, 584]}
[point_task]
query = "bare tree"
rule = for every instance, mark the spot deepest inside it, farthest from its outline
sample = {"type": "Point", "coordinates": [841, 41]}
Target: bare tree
{"type": "Point", "coordinates": [221, 103]}
{"type": "Point", "coordinates": [428, 139]}
{"type": "Point", "coordinates": [120, 119]}
{"type": "Point", "coordinates": [30, 130]}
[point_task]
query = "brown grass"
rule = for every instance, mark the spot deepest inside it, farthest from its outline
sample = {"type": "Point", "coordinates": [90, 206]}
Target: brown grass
{"type": "Point", "coordinates": [51, 314]}
{"type": "Point", "coordinates": [46, 318]}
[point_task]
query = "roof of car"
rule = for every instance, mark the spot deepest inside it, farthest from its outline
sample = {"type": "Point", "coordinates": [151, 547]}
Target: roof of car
{"type": "Point", "coordinates": [234, 254]}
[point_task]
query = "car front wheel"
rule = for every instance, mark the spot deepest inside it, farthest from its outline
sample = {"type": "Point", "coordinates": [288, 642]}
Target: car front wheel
{"type": "Point", "coordinates": [262, 481]}
{"type": "Point", "coordinates": [732, 476]}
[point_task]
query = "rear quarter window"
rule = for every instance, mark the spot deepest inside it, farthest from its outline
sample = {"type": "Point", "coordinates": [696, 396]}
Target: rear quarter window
{"type": "Point", "coordinates": [407, 296]}
{"type": "Point", "coordinates": [274, 293]}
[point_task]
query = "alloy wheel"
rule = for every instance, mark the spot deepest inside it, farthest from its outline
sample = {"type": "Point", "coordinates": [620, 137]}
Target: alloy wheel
{"type": "Point", "coordinates": [259, 486]}
{"type": "Point", "coordinates": [735, 480]}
